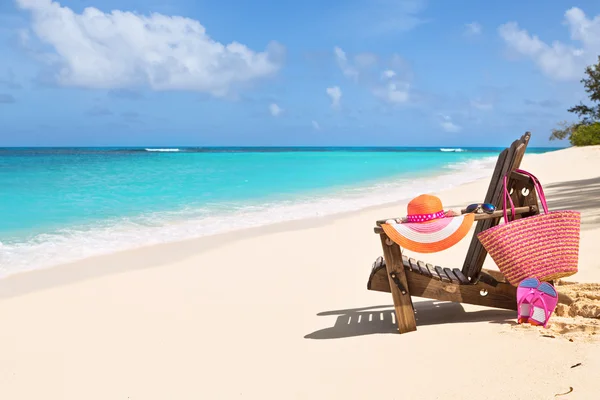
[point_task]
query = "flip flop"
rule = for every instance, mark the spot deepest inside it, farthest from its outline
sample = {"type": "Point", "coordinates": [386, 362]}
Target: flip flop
{"type": "Point", "coordinates": [526, 291]}
{"type": "Point", "coordinates": [543, 304]}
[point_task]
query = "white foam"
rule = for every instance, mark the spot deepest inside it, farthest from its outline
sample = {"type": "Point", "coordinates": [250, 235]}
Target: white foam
{"type": "Point", "coordinates": [163, 150]}
{"type": "Point", "coordinates": [64, 246]}
{"type": "Point", "coordinates": [455, 150]}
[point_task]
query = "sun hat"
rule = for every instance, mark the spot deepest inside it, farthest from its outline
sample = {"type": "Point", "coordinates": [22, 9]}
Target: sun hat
{"type": "Point", "coordinates": [427, 228]}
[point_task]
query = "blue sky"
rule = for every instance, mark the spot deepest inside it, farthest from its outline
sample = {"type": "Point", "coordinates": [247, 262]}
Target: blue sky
{"type": "Point", "coordinates": [369, 72]}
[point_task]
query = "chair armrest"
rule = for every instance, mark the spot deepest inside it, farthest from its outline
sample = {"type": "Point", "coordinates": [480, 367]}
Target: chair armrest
{"type": "Point", "coordinates": [478, 217]}
{"type": "Point", "coordinates": [500, 213]}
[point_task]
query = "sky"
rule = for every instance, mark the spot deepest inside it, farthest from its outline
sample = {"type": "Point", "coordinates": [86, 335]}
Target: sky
{"type": "Point", "coordinates": [282, 73]}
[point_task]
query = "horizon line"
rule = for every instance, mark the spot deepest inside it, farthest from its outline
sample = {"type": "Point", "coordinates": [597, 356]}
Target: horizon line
{"type": "Point", "coordinates": [266, 147]}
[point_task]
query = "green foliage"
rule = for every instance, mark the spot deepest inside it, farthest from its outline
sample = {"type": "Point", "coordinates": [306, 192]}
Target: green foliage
{"type": "Point", "coordinates": [565, 131]}
{"type": "Point", "coordinates": [592, 87]}
{"type": "Point", "coordinates": [587, 131]}
{"type": "Point", "coordinates": [586, 135]}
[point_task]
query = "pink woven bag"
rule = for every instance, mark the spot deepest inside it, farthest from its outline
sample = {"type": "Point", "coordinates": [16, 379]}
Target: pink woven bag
{"type": "Point", "coordinates": [543, 246]}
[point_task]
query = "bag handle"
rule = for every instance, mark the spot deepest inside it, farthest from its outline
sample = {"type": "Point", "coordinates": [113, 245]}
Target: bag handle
{"type": "Point", "coordinates": [504, 196]}
{"type": "Point", "coordinates": [538, 188]}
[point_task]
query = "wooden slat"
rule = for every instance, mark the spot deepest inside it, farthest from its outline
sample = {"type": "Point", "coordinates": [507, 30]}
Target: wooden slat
{"type": "Point", "coordinates": [405, 315]}
{"type": "Point", "coordinates": [472, 253]}
{"type": "Point", "coordinates": [424, 269]}
{"type": "Point", "coordinates": [461, 277]}
{"type": "Point", "coordinates": [378, 265]}
{"type": "Point", "coordinates": [451, 275]}
{"type": "Point", "coordinates": [378, 280]}
{"type": "Point", "coordinates": [378, 262]}
{"type": "Point", "coordinates": [489, 277]}
{"type": "Point", "coordinates": [405, 262]}
{"type": "Point", "coordinates": [433, 272]}
{"type": "Point", "coordinates": [442, 274]}
{"type": "Point", "coordinates": [416, 267]}
{"type": "Point", "coordinates": [519, 157]}
{"type": "Point", "coordinates": [501, 296]}
{"type": "Point", "coordinates": [508, 160]}
{"type": "Point", "coordinates": [413, 265]}
{"type": "Point", "coordinates": [495, 186]}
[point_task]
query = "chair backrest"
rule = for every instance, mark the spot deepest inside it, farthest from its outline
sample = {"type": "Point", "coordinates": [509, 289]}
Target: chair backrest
{"type": "Point", "coordinates": [509, 160]}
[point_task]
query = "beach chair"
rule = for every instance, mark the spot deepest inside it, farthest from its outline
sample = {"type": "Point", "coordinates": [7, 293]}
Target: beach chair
{"type": "Point", "coordinates": [405, 277]}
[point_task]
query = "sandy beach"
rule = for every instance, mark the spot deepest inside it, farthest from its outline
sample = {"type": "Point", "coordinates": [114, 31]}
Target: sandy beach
{"type": "Point", "coordinates": [283, 312]}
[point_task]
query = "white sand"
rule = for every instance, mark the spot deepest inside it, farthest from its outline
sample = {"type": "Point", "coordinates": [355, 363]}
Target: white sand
{"type": "Point", "coordinates": [273, 313]}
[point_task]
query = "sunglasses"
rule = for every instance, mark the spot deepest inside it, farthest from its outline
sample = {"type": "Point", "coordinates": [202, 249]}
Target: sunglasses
{"type": "Point", "coordinates": [485, 207]}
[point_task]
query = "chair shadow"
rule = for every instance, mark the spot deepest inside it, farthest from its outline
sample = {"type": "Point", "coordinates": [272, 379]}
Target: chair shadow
{"type": "Point", "coordinates": [382, 319]}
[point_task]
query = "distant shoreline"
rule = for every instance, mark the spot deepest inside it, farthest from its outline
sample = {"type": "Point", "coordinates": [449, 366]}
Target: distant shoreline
{"type": "Point", "coordinates": [280, 148]}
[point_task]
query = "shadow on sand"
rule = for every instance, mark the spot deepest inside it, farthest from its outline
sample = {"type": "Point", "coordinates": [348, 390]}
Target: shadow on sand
{"type": "Point", "coordinates": [581, 195]}
{"type": "Point", "coordinates": [382, 319]}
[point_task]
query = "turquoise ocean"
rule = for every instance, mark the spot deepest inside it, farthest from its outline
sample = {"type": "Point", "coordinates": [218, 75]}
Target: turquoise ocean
{"type": "Point", "coordinates": [63, 204]}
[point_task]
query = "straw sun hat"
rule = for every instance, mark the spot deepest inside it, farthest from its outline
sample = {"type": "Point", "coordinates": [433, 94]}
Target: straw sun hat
{"type": "Point", "coordinates": [427, 228]}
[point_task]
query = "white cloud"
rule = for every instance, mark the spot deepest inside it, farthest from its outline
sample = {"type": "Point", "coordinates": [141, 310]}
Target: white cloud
{"type": "Point", "coordinates": [123, 49]}
{"type": "Point", "coordinates": [393, 92]}
{"type": "Point", "coordinates": [336, 94]}
{"type": "Point", "coordinates": [316, 125]}
{"type": "Point", "coordinates": [389, 85]}
{"type": "Point", "coordinates": [360, 62]}
{"type": "Point", "coordinates": [348, 70]}
{"type": "Point", "coordinates": [559, 61]}
{"type": "Point", "coordinates": [473, 29]}
{"type": "Point", "coordinates": [447, 124]}
{"type": "Point", "coordinates": [275, 109]}
{"type": "Point", "coordinates": [388, 73]}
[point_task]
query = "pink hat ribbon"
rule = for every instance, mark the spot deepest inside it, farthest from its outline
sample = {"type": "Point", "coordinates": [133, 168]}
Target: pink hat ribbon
{"type": "Point", "coordinates": [424, 217]}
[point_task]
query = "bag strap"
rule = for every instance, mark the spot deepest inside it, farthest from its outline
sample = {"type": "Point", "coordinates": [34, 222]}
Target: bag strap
{"type": "Point", "coordinates": [538, 188]}
{"type": "Point", "coordinates": [504, 196]}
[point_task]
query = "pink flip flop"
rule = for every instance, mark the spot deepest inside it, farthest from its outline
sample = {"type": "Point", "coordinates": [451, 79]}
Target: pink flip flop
{"type": "Point", "coordinates": [526, 291]}
{"type": "Point", "coordinates": [543, 304]}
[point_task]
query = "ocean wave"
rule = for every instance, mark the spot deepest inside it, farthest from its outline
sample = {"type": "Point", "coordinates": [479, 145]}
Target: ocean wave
{"type": "Point", "coordinates": [455, 150]}
{"type": "Point", "coordinates": [164, 150]}
{"type": "Point", "coordinates": [49, 249]}
{"type": "Point", "coordinates": [476, 165]}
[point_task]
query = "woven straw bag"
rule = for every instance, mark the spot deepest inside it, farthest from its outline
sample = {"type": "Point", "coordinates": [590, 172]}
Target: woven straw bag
{"type": "Point", "coordinates": [543, 246]}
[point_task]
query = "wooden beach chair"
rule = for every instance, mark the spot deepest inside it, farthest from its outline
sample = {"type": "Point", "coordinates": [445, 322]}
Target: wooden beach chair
{"type": "Point", "coordinates": [405, 277]}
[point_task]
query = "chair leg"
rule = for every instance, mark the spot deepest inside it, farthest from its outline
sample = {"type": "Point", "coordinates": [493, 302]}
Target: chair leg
{"type": "Point", "coordinates": [405, 315]}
